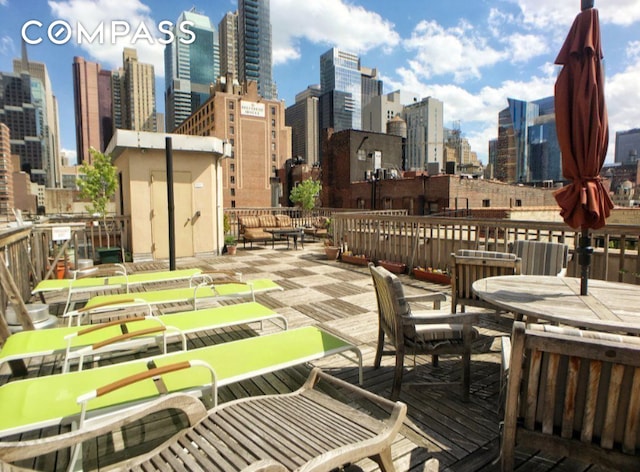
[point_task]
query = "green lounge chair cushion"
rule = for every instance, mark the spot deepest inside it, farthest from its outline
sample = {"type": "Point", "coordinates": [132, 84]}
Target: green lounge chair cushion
{"type": "Point", "coordinates": [185, 294]}
{"type": "Point", "coordinates": [49, 341]}
{"type": "Point", "coordinates": [37, 402]}
{"type": "Point", "coordinates": [114, 281]}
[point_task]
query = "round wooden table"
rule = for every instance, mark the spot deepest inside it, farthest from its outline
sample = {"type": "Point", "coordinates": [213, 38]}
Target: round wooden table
{"type": "Point", "coordinates": [609, 306]}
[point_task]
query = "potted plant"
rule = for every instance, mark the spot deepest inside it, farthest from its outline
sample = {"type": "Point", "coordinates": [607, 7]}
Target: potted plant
{"type": "Point", "coordinates": [330, 248]}
{"type": "Point", "coordinates": [231, 244]}
{"type": "Point", "coordinates": [98, 183]}
{"type": "Point", "coordinates": [392, 266]}
{"type": "Point", "coordinates": [430, 274]}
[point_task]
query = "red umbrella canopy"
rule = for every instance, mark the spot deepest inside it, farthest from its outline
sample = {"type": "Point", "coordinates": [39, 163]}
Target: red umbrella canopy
{"type": "Point", "coordinates": [582, 124]}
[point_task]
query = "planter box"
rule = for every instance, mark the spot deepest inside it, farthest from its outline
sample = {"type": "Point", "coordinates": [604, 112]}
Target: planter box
{"type": "Point", "coordinates": [109, 255]}
{"type": "Point", "coordinates": [357, 260]}
{"type": "Point", "coordinates": [395, 267]}
{"type": "Point", "coordinates": [423, 274]}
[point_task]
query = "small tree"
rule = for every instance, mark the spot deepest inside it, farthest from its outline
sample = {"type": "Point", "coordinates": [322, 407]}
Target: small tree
{"type": "Point", "coordinates": [98, 184]}
{"type": "Point", "coordinates": [306, 193]}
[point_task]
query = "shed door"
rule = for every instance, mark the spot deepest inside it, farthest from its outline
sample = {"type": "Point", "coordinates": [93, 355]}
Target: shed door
{"type": "Point", "coordinates": [160, 214]}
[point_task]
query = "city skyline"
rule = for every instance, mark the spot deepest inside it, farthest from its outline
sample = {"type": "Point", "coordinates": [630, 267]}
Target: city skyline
{"type": "Point", "coordinates": [472, 57]}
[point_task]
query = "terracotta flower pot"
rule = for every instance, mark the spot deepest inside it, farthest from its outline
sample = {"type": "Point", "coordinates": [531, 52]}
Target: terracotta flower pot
{"type": "Point", "coordinates": [332, 252]}
{"type": "Point", "coordinates": [430, 276]}
{"type": "Point", "coordinates": [395, 267]}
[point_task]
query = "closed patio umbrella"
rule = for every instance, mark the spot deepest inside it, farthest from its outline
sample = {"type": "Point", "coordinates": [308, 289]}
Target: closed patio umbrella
{"type": "Point", "coordinates": [583, 131]}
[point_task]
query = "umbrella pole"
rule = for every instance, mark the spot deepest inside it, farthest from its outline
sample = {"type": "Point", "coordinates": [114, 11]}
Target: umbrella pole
{"type": "Point", "coordinates": [584, 250]}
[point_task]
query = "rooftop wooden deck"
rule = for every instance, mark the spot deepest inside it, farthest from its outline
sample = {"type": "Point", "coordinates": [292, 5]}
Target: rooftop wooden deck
{"type": "Point", "coordinates": [462, 436]}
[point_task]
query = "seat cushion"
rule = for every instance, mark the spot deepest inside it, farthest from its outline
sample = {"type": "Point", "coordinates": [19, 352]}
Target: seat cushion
{"type": "Point", "coordinates": [438, 334]}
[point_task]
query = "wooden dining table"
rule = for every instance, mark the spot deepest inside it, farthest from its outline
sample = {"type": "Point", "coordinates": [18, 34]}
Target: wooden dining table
{"type": "Point", "coordinates": [608, 306]}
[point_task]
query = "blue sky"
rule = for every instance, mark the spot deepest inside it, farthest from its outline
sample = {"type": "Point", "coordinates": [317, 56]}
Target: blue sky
{"type": "Point", "coordinates": [472, 55]}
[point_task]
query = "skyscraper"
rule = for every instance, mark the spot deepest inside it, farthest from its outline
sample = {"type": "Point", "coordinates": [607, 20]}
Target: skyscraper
{"type": "Point", "coordinates": [23, 110]}
{"type": "Point", "coordinates": [528, 149]}
{"type": "Point", "coordinates": [6, 172]}
{"type": "Point", "coordinates": [190, 68]}
{"type": "Point", "coordinates": [254, 45]}
{"type": "Point", "coordinates": [228, 36]}
{"type": "Point", "coordinates": [48, 171]}
{"type": "Point", "coordinates": [627, 146]}
{"type": "Point", "coordinates": [425, 135]}
{"type": "Point", "coordinates": [135, 89]}
{"type": "Point", "coordinates": [93, 109]}
{"type": "Point", "coordinates": [303, 119]}
{"type": "Point", "coordinates": [347, 87]}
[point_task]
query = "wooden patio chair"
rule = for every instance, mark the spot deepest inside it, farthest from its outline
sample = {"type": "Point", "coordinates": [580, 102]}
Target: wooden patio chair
{"type": "Point", "coordinates": [468, 266]}
{"type": "Point", "coordinates": [541, 257]}
{"type": "Point", "coordinates": [423, 332]}
{"type": "Point", "coordinates": [305, 430]}
{"type": "Point", "coordinates": [573, 393]}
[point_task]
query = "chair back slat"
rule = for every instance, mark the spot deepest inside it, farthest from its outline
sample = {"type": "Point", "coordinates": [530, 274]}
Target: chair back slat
{"type": "Point", "coordinates": [540, 257]}
{"type": "Point", "coordinates": [392, 305]}
{"type": "Point", "coordinates": [574, 391]}
{"type": "Point", "coordinates": [468, 266]}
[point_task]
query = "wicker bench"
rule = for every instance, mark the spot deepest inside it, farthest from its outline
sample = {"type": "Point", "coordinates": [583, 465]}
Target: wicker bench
{"type": "Point", "coordinates": [252, 228]}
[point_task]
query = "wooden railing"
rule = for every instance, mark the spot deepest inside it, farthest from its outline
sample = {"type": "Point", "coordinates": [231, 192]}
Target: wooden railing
{"type": "Point", "coordinates": [429, 241]}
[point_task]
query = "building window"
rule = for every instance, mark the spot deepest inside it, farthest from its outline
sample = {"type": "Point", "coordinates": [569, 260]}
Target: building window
{"type": "Point", "coordinates": [231, 117]}
{"type": "Point", "coordinates": [232, 179]}
{"type": "Point", "coordinates": [233, 192]}
{"type": "Point", "coordinates": [232, 167]}
{"type": "Point", "coordinates": [273, 134]}
{"type": "Point", "coordinates": [273, 122]}
{"type": "Point", "coordinates": [273, 111]}
{"type": "Point", "coordinates": [232, 141]}
{"type": "Point", "coordinates": [518, 202]}
{"type": "Point", "coordinates": [231, 105]}
{"type": "Point", "coordinates": [273, 146]}
{"type": "Point", "coordinates": [273, 158]}
{"type": "Point", "coordinates": [486, 203]}
{"type": "Point", "coordinates": [233, 203]}
{"type": "Point", "coordinates": [361, 204]}
{"type": "Point", "coordinates": [231, 130]}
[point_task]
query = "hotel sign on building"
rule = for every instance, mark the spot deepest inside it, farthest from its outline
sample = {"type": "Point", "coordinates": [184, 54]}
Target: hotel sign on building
{"type": "Point", "coordinates": [252, 109]}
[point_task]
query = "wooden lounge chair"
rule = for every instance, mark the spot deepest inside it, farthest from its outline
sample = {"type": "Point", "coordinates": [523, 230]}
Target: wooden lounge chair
{"type": "Point", "coordinates": [187, 294]}
{"type": "Point", "coordinates": [78, 342]}
{"type": "Point", "coordinates": [307, 430]}
{"type": "Point", "coordinates": [422, 332]}
{"type": "Point", "coordinates": [35, 403]}
{"type": "Point", "coordinates": [573, 393]}
{"type": "Point", "coordinates": [467, 266]}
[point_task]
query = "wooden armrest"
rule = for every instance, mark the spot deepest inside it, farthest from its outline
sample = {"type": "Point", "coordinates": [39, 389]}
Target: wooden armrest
{"type": "Point", "coordinates": [125, 336]}
{"type": "Point", "coordinates": [317, 375]}
{"type": "Point", "coordinates": [192, 407]}
{"type": "Point", "coordinates": [100, 326]}
{"type": "Point", "coordinates": [266, 465]}
{"type": "Point", "coordinates": [436, 298]}
{"type": "Point", "coordinates": [106, 304]}
{"type": "Point", "coordinates": [157, 371]}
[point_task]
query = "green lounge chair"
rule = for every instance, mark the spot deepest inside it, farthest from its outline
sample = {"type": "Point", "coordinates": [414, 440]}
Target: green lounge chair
{"type": "Point", "coordinates": [186, 294]}
{"type": "Point", "coordinates": [133, 333]}
{"type": "Point", "coordinates": [112, 282]}
{"type": "Point", "coordinates": [39, 402]}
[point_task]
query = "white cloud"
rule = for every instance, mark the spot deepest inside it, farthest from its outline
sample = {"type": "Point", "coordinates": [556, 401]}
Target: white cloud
{"type": "Point", "coordinates": [523, 47]}
{"type": "Point", "coordinates": [622, 96]}
{"type": "Point", "coordinates": [330, 22]}
{"type": "Point", "coordinates": [90, 13]}
{"type": "Point", "coordinates": [4, 3]}
{"type": "Point", "coordinates": [548, 13]}
{"type": "Point", "coordinates": [458, 51]}
{"type": "Point", "coordinates": [7, 47]}
{"type": "Point", "coordinates": [71, 155]}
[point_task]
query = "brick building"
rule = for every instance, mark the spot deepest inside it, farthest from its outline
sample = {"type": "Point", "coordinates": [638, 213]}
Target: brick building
{"type": "Point", "coordinates": [355, 156]}
{"type": "Point", "coordinates": [256, 129]}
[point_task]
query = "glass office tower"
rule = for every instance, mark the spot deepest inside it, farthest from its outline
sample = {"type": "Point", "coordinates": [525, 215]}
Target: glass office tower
{"type": "Point", "coordinates": [254, 45]}
{"type": "Point", "coordinates": [190, 68]}
{"type": "Point", "coordinates": [341, 84]}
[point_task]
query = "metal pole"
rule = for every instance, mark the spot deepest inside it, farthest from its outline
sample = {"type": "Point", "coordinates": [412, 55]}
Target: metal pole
{"type": "Point", "coordinates": [170, 205]}
{"type": "Point", "coordinates": [585, 250]}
